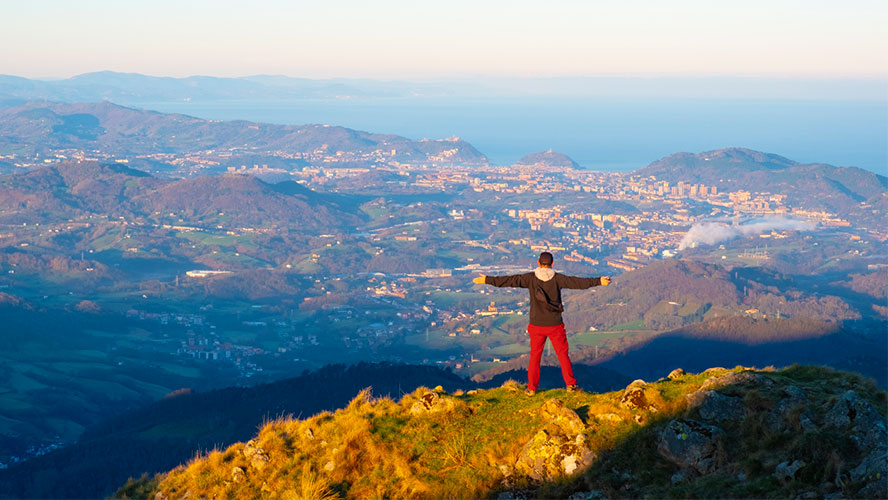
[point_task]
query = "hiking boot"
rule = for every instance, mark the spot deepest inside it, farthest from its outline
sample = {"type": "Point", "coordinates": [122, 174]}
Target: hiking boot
{"type": "Point", "coordinates": [529, 392]}
{"type": "Point", "coordinates": [574, 388]}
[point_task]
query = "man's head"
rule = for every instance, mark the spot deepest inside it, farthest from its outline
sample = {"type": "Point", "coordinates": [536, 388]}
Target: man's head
{"type": "Point", "coordinates": [546, 259]}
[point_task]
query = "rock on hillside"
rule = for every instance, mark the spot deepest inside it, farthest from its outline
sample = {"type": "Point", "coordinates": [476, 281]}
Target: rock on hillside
{"type": "Point", "coordinates": [800, 432]}
{"type": "Point", "coordinates": [549, 159]}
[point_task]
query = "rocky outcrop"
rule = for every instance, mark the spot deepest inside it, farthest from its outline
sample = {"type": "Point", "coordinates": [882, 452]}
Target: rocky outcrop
{"type": "Point", "coordinates": [873, 467]}
{"type": "Point", "coordinates": [433, 402]}
{"type": "Point", "coordinates": [786, 471]}
{"type": "Point", "coordinates": [873, 471]}
{"type": "Point", "coordinates": [690, 444]}
{"type": "Point", "coordinates": [736, 378]}
{"type": "Point", "coordinates": [715, 407]}
{"type": "Point", "coordinates": [852, 412]}
{"type": "Point", "coordinates": [558, 449]}
{"type": "Point", "coordinates": [781, 417]}
{"type": "Point", "coordinates": [796, 433]}
{"type": "Point", "coordinates": [609, 417]}
{"type": "Point", "coordinates": [676, 374]}
{"type": "Point", "coordinates": [562, 417]}
{"type": "Point", "coordinates": [237, 474]}
{"type": "Point", "coordinates": [639, 396]}
{"type": "Point", "coordinates": [257, 456]}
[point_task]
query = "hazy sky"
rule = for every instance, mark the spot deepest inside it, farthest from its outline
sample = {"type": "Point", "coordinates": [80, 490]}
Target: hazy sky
{"type": "Point", "coordinates": [434, 39]}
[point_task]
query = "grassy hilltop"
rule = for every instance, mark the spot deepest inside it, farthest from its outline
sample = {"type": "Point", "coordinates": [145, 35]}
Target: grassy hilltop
{"type": "Point", "coordinates": [807, 432]}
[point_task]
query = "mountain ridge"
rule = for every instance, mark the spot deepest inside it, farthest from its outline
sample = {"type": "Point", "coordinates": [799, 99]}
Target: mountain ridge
{"type": "Point", "coordinates": [43, 126]}
{"type": "Point", "coordinates": [115, 190]}
{"type": "Point", "coordinates": [742, 433]}
{"type": "Point", "coordinates": [823, 186]}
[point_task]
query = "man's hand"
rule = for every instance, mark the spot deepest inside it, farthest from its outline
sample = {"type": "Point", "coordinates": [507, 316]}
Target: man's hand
{"type": "Point", "coordinates": [480, 279]}
{"type": "Point", "coordinates": [605, 280]}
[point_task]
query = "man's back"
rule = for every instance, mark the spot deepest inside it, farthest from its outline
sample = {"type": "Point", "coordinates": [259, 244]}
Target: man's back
{"type": "Point", "coordinates": [544, 285]}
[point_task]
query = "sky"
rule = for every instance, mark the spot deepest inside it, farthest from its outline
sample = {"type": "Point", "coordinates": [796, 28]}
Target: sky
{"type": "Point", "coordinates": [431, 40]}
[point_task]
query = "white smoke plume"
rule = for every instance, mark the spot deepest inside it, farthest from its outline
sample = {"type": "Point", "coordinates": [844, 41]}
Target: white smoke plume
{"type": "Point", "coordinates": [712, 232]}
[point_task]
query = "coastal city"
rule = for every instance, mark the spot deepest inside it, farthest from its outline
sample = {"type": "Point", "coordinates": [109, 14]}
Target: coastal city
{"type": "Point", "coordinates": [597, 223]}
{"type": "Point", "coordinates": [444, 221]}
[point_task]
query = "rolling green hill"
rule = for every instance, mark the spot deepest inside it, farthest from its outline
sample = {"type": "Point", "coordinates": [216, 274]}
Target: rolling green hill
{"type": "Point", "coordinates": [667, 295]}
{"type": "Point", "coordinates": [59, 193]}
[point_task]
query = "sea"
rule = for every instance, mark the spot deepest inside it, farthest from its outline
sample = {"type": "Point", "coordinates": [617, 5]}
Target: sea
{"type": "Point", "coordinates": [599, 133]}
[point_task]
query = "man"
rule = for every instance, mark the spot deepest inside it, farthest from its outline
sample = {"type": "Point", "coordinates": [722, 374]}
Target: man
{"type": "Point", "coordinates": [545, 285]}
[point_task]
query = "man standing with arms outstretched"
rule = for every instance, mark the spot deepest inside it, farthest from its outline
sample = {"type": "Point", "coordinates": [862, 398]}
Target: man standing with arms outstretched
{"type": "Point", "coordinates": [545, 285]}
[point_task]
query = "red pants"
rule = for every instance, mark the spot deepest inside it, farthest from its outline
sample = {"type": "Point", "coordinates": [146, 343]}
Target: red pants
{"type": "Point", "coordinates": [558, 337]}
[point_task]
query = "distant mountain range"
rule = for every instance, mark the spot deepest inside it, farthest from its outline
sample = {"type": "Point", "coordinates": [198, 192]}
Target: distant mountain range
{"type": "Point", "coordinates": [40, 127]}
{"type": "Point", "coordinates": [815, 185]}
{"type": "Point", "coordinates": [134, 87]}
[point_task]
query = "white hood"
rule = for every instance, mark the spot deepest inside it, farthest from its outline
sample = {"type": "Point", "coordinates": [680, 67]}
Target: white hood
{"type": "Point", "coordinates": [544, 273]}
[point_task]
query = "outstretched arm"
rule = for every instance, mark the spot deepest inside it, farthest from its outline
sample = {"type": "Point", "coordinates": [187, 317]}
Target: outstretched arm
{"type": "Point", "coordinates": [574, 282]}
{"type": "Point", "coordinates": [514, 281]}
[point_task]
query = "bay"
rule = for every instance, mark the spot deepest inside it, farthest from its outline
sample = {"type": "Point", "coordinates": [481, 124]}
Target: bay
{"type": "Point", "coordinates": [608, 134]}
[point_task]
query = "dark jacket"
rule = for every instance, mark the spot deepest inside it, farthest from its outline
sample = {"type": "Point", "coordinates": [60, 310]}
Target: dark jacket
{"type": "Point", "coordinates": [545, 294]}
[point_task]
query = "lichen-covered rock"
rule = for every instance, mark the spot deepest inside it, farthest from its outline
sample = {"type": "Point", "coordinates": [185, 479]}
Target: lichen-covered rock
{"type": "Point", "coordinates": [433, 402]}
{"type": "Point", "coordinates": [866, 424]}
{"type": "Point", "coordinates": [237, 475]}
{"type": "Point", "coordinates": [806, 421]}
{"type": "Point", "coordinates": [875, 489]}
{"type": "Point", "coordinates": [676, 374]}
{"type": "Point", "coordinates": [736, 378]}
{"type": "Point", "coordinates": [714, 369]}
{"type": "Point", "coordinates": [786, 471]}
{"type": "Point", "coordinates": [778, 419]}
{"type": "Point", "coordinates": [873, 468]}
{"type": "Point", "coordinates": [554, 411]}
{"type": "Point", "coordinates": [256, 455]}
{"type": "Point", "coordinates": [636, 397]}
{"type": "Point", "coordinates": [716, 407]}
{"type": "Point", "coordinates": [691, 444]}
{"type": "Point", "coordinates": [683, 476]}
{"type": "Point", "coordinates": [608, 417]}
{"type": "Point", "coordinates": [557, 450]}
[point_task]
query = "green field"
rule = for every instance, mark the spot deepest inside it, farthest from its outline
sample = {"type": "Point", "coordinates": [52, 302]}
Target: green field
{"type": "Point", "coordinates": [592, 339]}
{"type": "Point", "coordinates": [632, 325]}
{"type": "Point", "coordinates": [508, 350]}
